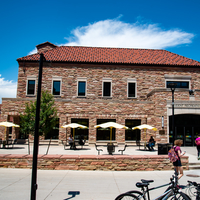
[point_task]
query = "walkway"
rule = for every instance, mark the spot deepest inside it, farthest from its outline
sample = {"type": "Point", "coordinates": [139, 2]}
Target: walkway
{"type": "Point", "coordinates": [87, 185]}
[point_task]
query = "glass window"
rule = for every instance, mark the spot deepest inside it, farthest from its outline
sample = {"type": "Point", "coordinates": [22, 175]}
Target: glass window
{"type": "Point", "coordinates": [131, 89]}
{"type": "Point", "coordinates": [131, 134]}
{"type": "Point", "coordinates": [31, 87]}
{"type": "Point", "coordinates": [179, 84]}
{"type": "Point", "coordinates": [106, 89]}
{"type": "Point", "coordinates": [81, 88]}
{"type": "Point", "coordinates": [104, 133]}
{"type": "Point", "coordinates": [56, 87]}
{"type": "Point", "coordinates": [81, 133]}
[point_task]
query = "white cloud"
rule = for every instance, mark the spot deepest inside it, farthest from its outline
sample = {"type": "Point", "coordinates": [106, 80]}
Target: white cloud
{"type": "Point", "coordinates": [8, 89]}
{"type": "Point", "coordinates": [33, 51]}
{"type": "Point", "coordinates": [115, 33]}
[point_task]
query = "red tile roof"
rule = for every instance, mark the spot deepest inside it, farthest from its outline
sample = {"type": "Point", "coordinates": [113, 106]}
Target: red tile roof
{"type": "Point", "coordinates": [112, 55]}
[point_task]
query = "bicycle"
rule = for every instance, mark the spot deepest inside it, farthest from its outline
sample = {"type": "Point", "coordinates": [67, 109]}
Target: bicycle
{"type": "Point", "coordinates": [172, 192]}
{"type": "Point", "coordinates": [193, 189]}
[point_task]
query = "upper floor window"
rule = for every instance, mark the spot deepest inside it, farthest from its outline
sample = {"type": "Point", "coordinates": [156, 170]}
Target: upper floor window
{"type": "Point", "coordinates": [178, 84]}
{"type": "Point", "coordinates": [107, 87]}
{"type": "Point", "coordinates": [31, 86]}
{"type": "Point", "coordinates": [179, 81]}
{"type": "Point", "coordinates": [131, 88]}
{"type": "Point", "coordinates": [56, 86]}
{"type": "Point", "coordinates": [81, 87]}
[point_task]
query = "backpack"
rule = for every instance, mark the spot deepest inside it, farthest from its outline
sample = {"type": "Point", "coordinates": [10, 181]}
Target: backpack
{"type": "Point", "coordinates": [198, 142]}
{"type": "Point", "coordinates": [172, 155]}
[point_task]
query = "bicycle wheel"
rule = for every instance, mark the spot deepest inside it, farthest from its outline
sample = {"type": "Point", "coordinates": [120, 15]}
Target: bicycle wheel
{"type": "Point", "coordinates": [126, 196]}
{"type": "Point", "coordinates": [138, 194]}
{"type": "Point", "coordinates": [179, 196]}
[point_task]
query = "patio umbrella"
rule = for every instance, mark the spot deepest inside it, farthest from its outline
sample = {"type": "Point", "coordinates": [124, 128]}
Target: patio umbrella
{"type": "Point", "coordinates": [73, 125]}
{"type": "Point", "coordinates": [145, 127]}
{"type": "Point", "coordinates": [8, 124]}
{"type": "Point", "coordinates": [111, 125]}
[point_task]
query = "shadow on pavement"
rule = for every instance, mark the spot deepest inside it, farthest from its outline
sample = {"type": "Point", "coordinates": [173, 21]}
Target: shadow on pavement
{"type": "Point", "coordinates": [73, 193]}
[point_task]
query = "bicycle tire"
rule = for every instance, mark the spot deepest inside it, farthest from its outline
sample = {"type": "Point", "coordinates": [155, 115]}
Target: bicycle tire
{"type": "Point", "coordinates": [137, 193]}
{"type": "Point", "coordinates": [126, 196]}
{"type": "Point", "coordinates": [179, 196]}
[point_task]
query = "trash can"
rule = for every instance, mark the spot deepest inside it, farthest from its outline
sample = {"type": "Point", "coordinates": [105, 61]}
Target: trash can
{"type": "Point", "coordinates": [163, 148]}
{"type": "Point", "coordinates": [110, 148]}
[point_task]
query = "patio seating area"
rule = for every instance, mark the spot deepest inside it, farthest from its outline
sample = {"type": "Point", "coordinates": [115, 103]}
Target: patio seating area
{"type": "Point", "coordinates": [99, 159]}
{"type": "Point", "coordinates": [7, 143]}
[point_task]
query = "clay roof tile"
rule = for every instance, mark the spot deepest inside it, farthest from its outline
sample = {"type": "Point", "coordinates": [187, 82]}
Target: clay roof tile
{"type": "Point", "coordinates": [111, 55]}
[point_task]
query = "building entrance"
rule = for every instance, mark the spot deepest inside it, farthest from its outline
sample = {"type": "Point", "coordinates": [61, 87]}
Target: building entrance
{"type": "Point", "coordinates": [187, 127]}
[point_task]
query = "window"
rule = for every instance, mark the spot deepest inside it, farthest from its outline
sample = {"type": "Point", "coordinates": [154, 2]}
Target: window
{"type": "Point", "coordinates": [131, 90]}
{"type": "Point", "coordinates": [81, 84]}
{"type": "Point", "coordinates": [179, 84]}
{"type": "Point", "coordinates": [107, 89]}
{"type": "Point", "coordinates": [56, 86]}
{"type": "Point", "coordinates": [31, 86]}
{"type": "Point", "coordinates": [180, 81]}
{"type": "Point", "coordinates": [131, 134]}
{"type": "Point", "coordinates": [80, 133]}
{"type": "Point", "coordinates": [104, 133]}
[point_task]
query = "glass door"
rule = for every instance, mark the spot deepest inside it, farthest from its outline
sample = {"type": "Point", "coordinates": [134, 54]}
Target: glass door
{"type": "Point", "coordinates": [188, 136]}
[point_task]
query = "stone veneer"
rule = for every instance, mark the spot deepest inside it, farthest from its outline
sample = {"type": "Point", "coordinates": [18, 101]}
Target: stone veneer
{"type": "Point", "coordinates": [149, 106]}
{"type": "Point", "coordinates": [91, 162]}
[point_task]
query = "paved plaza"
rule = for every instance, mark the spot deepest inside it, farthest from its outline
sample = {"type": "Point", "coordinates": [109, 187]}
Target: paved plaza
{"type": "Point", "coordinates": [82, 185]}
{"type": "Point", "coordinates": [91, 150]}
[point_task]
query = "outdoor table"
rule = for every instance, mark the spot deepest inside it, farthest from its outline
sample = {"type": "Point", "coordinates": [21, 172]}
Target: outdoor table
{"type": "Point", "coordinates": [75, 143]}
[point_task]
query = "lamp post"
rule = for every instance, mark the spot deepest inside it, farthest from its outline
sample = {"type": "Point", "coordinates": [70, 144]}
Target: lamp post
{"type": "Point", "coordinates": [172, 85]}
{"type": "Point", "coordinates": [36, 135]}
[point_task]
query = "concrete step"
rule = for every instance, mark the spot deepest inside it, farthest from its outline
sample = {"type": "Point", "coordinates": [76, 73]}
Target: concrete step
{"type": "Point", "coordinates": [194, 165]}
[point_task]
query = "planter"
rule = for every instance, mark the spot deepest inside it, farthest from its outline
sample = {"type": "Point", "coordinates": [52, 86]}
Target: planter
{"type": "Point", "coordinates": [110, 148]}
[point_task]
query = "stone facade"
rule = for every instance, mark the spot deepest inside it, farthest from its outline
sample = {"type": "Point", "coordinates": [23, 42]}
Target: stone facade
{"type": "Point", "coordinates": [153, 99]}
{"type": "Point", "coordinates": [90, 162]}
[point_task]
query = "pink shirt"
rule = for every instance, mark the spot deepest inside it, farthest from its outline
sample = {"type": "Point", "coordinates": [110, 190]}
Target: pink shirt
{"type": "Point", "coordinates": [176, 150]}
{"type": "Point", "coordinates": [197, 139]}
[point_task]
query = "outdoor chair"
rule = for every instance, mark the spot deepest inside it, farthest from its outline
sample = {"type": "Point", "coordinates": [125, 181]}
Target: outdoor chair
{"type": "Point", "coordinates": [138, 143]}
{"type": "Point", "coordinates": [122, 150]}
{"type": "Point", "coordinates": [81, 143]}
{"type": "Point", "coordinates": [99, 150]}
{"type": "Point", "coordinates": [9, 143]}
{"type": "Point", "coordinates": [65, 143]}
{"type": "Point", "coordinates": [1, 142]}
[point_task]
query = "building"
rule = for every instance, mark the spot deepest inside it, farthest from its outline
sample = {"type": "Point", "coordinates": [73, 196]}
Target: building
{"type": "Point", "coordinates": [129, 86]}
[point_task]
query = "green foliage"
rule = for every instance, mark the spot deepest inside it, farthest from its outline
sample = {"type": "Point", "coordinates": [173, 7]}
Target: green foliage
{"type": "Point", "coordinates": [48, 116]}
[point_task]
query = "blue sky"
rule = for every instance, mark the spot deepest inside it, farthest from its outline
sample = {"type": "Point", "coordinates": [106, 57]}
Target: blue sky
{"type": "Point", "coordinates": [172, 25]}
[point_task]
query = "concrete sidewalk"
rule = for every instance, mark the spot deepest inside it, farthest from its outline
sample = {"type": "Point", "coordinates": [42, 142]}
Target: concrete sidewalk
{"type": "Point", "coordinates": [85, 185]}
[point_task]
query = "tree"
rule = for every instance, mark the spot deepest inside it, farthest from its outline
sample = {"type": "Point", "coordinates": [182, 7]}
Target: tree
{"type": "Point", "coordinates": [48, 116]}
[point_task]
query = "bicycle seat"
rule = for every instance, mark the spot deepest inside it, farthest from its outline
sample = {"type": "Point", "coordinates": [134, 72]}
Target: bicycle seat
{"type": "Point", "coordinates": [147, 181]}
{"type": "Point", "coordinates": [138, 184]}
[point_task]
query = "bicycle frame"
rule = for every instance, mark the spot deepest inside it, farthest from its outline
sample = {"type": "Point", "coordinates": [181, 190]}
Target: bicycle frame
{"type": "Point", "coordinates": [147, 190]}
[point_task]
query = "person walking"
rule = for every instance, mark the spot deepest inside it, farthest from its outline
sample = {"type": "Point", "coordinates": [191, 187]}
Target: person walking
{"type": "Point", "coordinates": [197, 142]}
{"type": "Point", "coordinates": [177, 164]}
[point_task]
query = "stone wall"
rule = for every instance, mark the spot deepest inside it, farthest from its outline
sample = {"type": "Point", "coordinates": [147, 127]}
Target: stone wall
{"type": "Point", "coordinates": [91, 162]}
{"type": "Point", "coordinates": [149, 106]}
